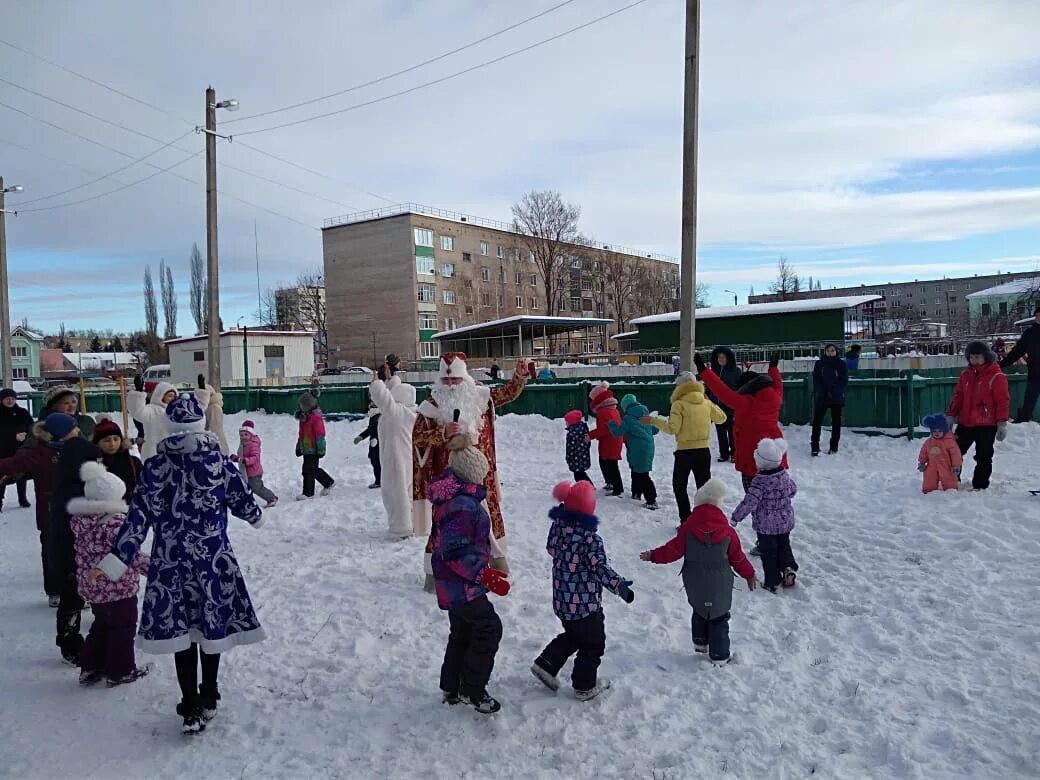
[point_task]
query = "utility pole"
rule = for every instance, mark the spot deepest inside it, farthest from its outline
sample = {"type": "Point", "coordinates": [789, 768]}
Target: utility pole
{"type": "Point", "coordinates": [5, 306]}
{"type": "Point", "coordinates": [688, 261]}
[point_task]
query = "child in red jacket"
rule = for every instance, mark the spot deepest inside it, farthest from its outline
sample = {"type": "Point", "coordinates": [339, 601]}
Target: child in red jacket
{"type": "Point", "coordinates": [711, 551]}
{"type": "Point", "coordinates": [980, 407]}
{"type": "Point", "coordinates": [940, 459]}
{"type": "Point", "coordinates": [604, 405]}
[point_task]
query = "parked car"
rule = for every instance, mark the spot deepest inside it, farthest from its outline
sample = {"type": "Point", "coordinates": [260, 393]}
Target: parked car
{"type": "Point", "coordinates": [330, 372]}
{"type": "Point", "coordinates": [154, 375]}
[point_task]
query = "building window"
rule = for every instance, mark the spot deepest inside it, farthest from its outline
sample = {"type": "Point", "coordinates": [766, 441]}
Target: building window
{"type": "Point", "coordinates": [575, 304]}
{"type": "Point", "coordinates": [467, 257]}
{"type": "Point", "coordinates": [429, 349]}
{"type": "Point", "coordinates": [501, 251]}
{"type": "Point", "coordinates": [19, 352]}
{"type": "Point", "coordinates": [20, 373]}
{"type": "Point", "coordinates": [534, 303]}
{"type": "Point", "coordinates": [534, 280]}
{"type": "Point", "coordinates": [427, 293]}
{"type": "Point", "coordinates": [519, 278]}
{"type": "Point", "coordinates": [1003, 307]}
{"type": "Point", "coordinates": [519, 301]}
{"type": "Point", "coordinates": [450, 323]}
{"type": "Point", "coordinates": [484, 248]}
{"type": "Point", "coordinates": [427, 321]}
{"type": "Point", "coordinates": [424, 265]}
{"type": "Point", "coordinates": [423, 237]}
{"type": "Point", "coordinates": [986, 310]}
{"type": "Point", "coordinates": [274, 350]}
{"type": "Point", "coordinates": [448, 243]}
{"type": "Point", "coordinates": [448, 270]}
{"type": "Point", "coordinates": [485, 274]}
{"type": "Point", "coordinates": [953, 299]}
{"type": "Point", "coordinates": [467, 283]}
{"type": "Point", "coordinates": [575, 262]}
{"type": "Point", "coordinates": [586, 285]}
{"type": "Point", "coordinates": [469, 311]}
{"type": "Point", "coordinates": [530, 256]}
{"type": "Point", "coordinates": [485, 299]}
{"type": "Point", "coordinates": [586, 304]}
{"type": "Point", "coordinates": [448, 296]}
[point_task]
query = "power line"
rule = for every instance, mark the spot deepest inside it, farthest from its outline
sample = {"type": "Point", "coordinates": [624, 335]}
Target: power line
{"type": "Point", "coordinates": [409, 69]}
{"type": "Point", "coordinates": [443, 79]}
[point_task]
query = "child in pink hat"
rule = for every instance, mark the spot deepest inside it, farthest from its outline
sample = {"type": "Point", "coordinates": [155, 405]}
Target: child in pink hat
{"type": "Point", "coordinates": [578, 446]}
{"type": "Point", "coordinates": [249, 460]}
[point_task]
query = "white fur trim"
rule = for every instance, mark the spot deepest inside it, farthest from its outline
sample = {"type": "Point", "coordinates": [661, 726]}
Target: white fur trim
{"type": "Point", "coordinates": [456, 369]}
{"type": "Point", "coordinates": [161, 389]}
{"type": "Point", "coordinates": [112, 567]}
{"type": "Point", "coordinates": [711, 492]}
{"type": "Point", "coordinates": [259, 523]}
{"type": "Point", "coordinates": [769, 453]}
{"type": "Point", "coordinates": [208, 646]}
{"type": "Point", "coordinates": [94, 507]}
{"type": "Point", "coordinates": [91, 470]}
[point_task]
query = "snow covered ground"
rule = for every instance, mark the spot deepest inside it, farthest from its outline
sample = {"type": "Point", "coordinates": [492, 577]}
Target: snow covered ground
{"type": "Point", "coordinates": [909, 649]}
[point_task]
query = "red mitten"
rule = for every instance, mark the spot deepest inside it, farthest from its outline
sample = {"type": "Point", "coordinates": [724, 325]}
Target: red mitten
{"type": "Point", "coordinates": [495, 581]}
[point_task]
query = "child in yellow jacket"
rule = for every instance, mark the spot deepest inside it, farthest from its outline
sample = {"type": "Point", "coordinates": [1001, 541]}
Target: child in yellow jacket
{"type": "Point", "coordinates": [689, 421]}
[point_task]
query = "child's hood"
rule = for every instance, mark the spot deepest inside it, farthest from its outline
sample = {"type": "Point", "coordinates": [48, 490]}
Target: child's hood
{"type": "Point", "coordinates": [636, 410]}
{"type": "Point", "coordinates": [707, 519]}
{"type": "Point", "coordinates": [568, 517]}
{"type": "Point", "coordinates": [448, 487]}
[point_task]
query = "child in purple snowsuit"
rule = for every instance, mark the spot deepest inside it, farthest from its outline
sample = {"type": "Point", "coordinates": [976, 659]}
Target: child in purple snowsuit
{"type": "Point", "coordinates": [768, 500]}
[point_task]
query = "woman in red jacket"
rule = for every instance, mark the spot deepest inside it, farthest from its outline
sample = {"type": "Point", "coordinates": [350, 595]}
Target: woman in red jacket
{"type": "Point", "coordinates": [980, 407]}
{"type": "Point", "coordinates": [756, 411]}
{"type": "Point", "coordinates": [603, 404]}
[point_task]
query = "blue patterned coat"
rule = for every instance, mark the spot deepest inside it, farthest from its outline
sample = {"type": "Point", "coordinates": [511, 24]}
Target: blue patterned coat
{"type": "Point", "coordinates": [195, 590]}
{"type": "Point", "coordinates": [580, 568]}
{"type": "Point", "coordinates": [461, 539]}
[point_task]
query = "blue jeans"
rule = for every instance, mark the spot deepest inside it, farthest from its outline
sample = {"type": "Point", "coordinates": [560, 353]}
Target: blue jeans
{"type": "Point", "coordinates": [714, 633]}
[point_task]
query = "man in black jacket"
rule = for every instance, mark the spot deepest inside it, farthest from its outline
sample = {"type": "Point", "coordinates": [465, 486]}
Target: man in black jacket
{"type": "Point", "coordinates": [1029, 347]}
{"type": "Point", "coordinates": [724, 364]}
{"type": "Point", "coordinates": [830, 380]}
{"type": "Point", "coordinates": [15, 424]}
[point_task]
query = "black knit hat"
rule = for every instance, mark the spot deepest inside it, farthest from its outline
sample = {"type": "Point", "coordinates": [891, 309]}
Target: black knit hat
{"type": "Point", "coordinates": [7, 392]}
{"type": "Point", "coordinates": [980, 348]}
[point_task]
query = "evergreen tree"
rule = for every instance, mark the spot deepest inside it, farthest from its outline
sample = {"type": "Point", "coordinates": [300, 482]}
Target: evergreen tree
{"type": "Point", "coordinates": [95, 345]}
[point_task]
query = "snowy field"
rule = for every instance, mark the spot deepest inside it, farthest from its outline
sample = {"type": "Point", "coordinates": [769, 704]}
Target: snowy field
{"type": "Point", "coordinates": [909, 649]}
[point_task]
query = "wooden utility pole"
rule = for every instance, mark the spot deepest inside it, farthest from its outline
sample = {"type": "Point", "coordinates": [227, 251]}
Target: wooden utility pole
{"type": "Point", "coordinates": [688, 261]}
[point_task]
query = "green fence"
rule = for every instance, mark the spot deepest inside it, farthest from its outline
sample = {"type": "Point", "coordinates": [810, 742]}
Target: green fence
{"type": "Point", "coordinates": [887, 402]}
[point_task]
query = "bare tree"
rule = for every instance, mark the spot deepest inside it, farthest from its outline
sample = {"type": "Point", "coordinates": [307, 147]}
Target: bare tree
{"type": "Point", "coordinates": [622, 278]}
{"type": "Point", "coordinates": [703, 291]}
{"type": "Point", "coordinates": [198, 290]}
{"type": "Point", "coordinates": [169, 300]}
{"type": "Point", "coordinates": [267, 314]}
{"type": "Point", "coordinates": [548, 229]}
{"type": "Point", "coordinates": [151, 310]}
{"type": "Point", "coordinates": [303, 306]}
{"type": "Point", "coordinates": [787, 281]}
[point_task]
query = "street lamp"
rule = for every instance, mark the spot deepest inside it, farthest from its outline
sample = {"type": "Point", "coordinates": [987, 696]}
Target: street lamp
{"type": "Point", "coordinates": [733, 294]}
{"type": "Point", "coordinates": [5, 306]}
{"type": "Point", "coordinates": [212, 272]}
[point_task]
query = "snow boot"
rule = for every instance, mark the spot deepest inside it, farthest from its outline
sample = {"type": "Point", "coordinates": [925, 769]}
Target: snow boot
{"type": "Point", "coordinates": [700, 648]}
{"type": "Point", "coordinates": [133, 676]}
{"type": "Point", "coordinates": [326, 491]}
{"type": "Point", "coordinates": [790, 575]}
{"type": "Point", "coordinates": [651, 505]}
{"type": "Point", "coordinates": [303, 497]}
{"type": "Point", "coordinates": [718, 663]}
{"type": "Point", "coordinates": [89, 677]}
{"type": "Point", "coordinates": [374, 486]}
{"type": "Point", "coordinates": [208, 699]}
{"type": "Point", "coordinates": [546, 679]}
{"type": "Point", "coordinates": [272, 503]}
{"type": "Point", "coordinates": [53, 601]}
{"type": "Point", "coordinates": [594, 691]}
{"type": "Point", "coordinates": [24, 504]}
{"type": "Point", "coordinates": [447, 697]}
{"type": "Point", "coordinates": [194, 722]}
{"type": "Point", "coordinates": [483, 703]}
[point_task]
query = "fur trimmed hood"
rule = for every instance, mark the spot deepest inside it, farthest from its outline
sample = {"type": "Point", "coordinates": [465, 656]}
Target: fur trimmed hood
{"type": "Point", "coordinates": [95, 507]}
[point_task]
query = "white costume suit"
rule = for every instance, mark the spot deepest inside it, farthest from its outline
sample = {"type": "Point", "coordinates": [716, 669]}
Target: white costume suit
{"type": "Point", "coordinates": [396, 403]}
{"type": "Point", "coordinates": [151, 413]}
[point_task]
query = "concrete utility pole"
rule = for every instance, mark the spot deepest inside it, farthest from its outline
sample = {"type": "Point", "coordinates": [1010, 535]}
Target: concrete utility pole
{"type": "Point", "coordinates": [5, 307]}
{"type": "Point", "coordinates": [212, 268]}
{"type": "Point", "coordinates": [688, 261]}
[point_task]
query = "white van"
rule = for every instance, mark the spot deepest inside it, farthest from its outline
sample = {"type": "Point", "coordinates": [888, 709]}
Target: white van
{"type": "Point", "coordinates": [156, 374]}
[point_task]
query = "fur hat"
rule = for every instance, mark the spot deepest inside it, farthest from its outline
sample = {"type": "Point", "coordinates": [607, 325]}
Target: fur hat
{"type": "Point", "coordinates": [468, 463]}
{"type": "Point", "coordinates": [936, 422]}
{"type": "Point", "coordinates": [184, 415]}
{"type": "Point", "coordinates": [7, 392]}
{"type": "Point", "coordinates": [55, 394]}
{"type": "Point", "coordinates": [59, 425]}
{"type": "Point", "coordinates": [102, 492]}
{"type": "Point", "coordinates": [453, 366]}
{"type": "Point", "coordinates": [769, 454]}
{"type": "Point", "coordinates": [980, 348]}
{"type": "Point", "coordinates": [247, 427]}
{"type": "Point", "coordinates": [711, 492]}
{"type": "Point", "coordinates": [576, 496]}
{"type": "Point", "coordinates": [684, 377]}
{"type": "Point", "coordinates": [308, 402]}
{"type": "Point", "coordinates": [105, 428]}
{"type": "Point", "coordinates": [573, 417]}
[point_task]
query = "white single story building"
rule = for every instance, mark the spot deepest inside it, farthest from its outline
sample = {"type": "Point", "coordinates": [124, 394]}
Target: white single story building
{"type": "Point", "coordinates": [274, 357]}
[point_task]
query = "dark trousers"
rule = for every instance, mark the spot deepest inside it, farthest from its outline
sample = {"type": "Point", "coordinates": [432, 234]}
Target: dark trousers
{"type": "Point", "coordinates": [725, 436]}
{"type": "Point", "coordinates": [377, 470]}
{"type": "Point", "coordinates": [68, 637]}
{"type": "Point", "coordinates": [312, 471]}
{"type": "Point", "coordinates": [817, 424]}
{"type": "Point", "coordinates": [696, 462]}
{"type": "Point", "coordinates": [1025, 413]}
{"type": "Point", "coordinates": [643, 487]}
{"type": "Point", "coordinates": [581, 476]}
{"type": "Point", "coordinates": [713, 632]}
{"type": "Point", "coordinates": [256, 484]}
{"type": "Point", "coordinates": [50, 587]}
{"type": "Point", "coordinates": [612, 475]}
{"type": "Point", "coordinates": [472, 643]}
{"type": "Point", "coordinates": [187, 663]}
{"type": "Point", "coordinates": [776, 553]}
{"type": "Point", "coordinates": [983, 437]}
{"type": "Point", "coordinates": [745, 482]}
{"type": "Point", "coordinates": [109, 646]}
{"type": "Point", "coordinates": [586, 637]}
{"type": "Point", "coordinates": [22, 497]}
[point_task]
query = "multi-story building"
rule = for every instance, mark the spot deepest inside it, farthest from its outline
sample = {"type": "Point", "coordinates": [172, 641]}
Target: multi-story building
{"type": "Point", "coordinates": [906, 304]}
{"type": "Point", "coordinates": [1000, 307]}
{"type": "Point", "coordinates": [303, 308]}
{"type": "Point", "coordinates": [25, 354]}
{"type": "Point", "coordinates": [394, 277]}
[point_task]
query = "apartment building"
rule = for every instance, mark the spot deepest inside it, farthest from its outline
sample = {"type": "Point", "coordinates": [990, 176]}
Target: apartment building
{"type": "Point", "coordinates": [394, 277]}
{"type": "Point", "coordinates": [922, 300]}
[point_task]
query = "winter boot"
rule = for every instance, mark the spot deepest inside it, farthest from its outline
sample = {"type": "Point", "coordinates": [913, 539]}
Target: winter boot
{"type": "Point", "coordinates": [718, 663]}
{"type": "Point", "coordinates": [272, 503]}
{"type": "Point", "coordinates": [209, 698]}
{"type": "Point", "coordinates": [326, 491]}
{"type": "Point", "coordinates": [303, 497]}
{"type": "Point", "coordinates": [483, 703]}
{"type": "Point", "coordinates": [546, 679]}
{"type": "Point", "coordinates": [89, 677]}
{"type": "Point", "coordinates": [651, 505]}
{"type": "Point", "coordinates": [790, 575]}
{"type": "Point", "coordinates": [194, 722]}
{"type": "Point", "coordinates": [447, 697]}
{"type": "Point", "coordinates": [755, 551]}
{"type": "Point", "coordinates": [133, 676]}
{"type": "Point", "coordinates": [594, 691]}
{"type": "Point", "coordinates": [53, 601]}
{"type": "Point", "coordinates": [700, 648]}
{"type": "Point", "coordinates": [374, 486]}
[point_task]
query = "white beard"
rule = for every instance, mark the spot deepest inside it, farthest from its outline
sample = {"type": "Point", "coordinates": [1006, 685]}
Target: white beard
{"type": "Point", "coordinates": [469, 398]}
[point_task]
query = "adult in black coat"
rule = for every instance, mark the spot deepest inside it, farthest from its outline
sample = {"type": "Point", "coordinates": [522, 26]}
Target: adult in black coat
{"type": "Point", "coordinates": [1028, 347]}
{"type": "Point", "coordinates": [15, 425]}
{"type": "Point", "coordinates": [724, 364]}
{"type": "Point", "coordinates": [830, 380]}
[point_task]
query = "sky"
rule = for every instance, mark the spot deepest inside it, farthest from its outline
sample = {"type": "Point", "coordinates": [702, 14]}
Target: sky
{"type": "Point", "coordinates": [864, 141]}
